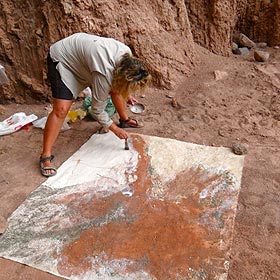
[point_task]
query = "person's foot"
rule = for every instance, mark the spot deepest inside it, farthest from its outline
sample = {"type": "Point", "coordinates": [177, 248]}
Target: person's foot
{"type": "Point", "coordinates": [130, 123]}
{"type": "Point", "coordinates": [46, 167]}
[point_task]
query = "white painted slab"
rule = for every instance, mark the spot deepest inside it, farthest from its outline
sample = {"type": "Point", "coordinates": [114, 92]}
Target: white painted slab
{"type": "Point", "coordinates": [61, 212]}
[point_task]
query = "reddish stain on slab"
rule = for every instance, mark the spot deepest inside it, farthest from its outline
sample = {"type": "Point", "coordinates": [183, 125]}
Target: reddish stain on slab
{"type": "Point", "coordinates": [161, 237]}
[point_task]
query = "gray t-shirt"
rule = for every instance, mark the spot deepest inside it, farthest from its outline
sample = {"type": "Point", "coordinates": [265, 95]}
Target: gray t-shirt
{"type": "Point", "coordinates": [87, 60]}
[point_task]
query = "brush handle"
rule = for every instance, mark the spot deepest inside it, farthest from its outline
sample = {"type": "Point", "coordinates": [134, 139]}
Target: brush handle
{"type": "Point", "coordinates": [126, 144]}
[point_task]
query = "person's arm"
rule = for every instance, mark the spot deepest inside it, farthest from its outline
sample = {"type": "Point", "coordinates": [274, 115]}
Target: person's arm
{"type": "Point", "coordinates": [120, 105]}
{"type": "Point", "coordinates": [98, 110]}
{"type": "Point", "coordinates": [100, 93]}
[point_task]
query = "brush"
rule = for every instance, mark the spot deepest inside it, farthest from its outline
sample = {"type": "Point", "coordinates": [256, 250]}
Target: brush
{"type": "Point", "coordinates": [126, 145]}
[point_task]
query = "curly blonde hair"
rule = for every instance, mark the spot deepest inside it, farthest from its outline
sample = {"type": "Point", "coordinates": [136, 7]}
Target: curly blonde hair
{"type": "Point", "coordinates": [130, 75]}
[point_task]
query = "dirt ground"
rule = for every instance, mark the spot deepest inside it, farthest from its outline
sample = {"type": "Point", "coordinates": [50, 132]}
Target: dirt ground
{"type": "Point", "coordinates": [239, 106]}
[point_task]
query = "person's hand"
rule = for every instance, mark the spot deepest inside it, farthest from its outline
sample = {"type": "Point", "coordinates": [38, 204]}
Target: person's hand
{"type": "Point", "coordinates": [131, 100]}
{"type": "Point", "coordinates": [121, 133]}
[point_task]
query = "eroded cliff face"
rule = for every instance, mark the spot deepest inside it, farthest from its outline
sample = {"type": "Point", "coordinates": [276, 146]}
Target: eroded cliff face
{"type": "Point", "coordinates": [160, 32]}
{"type": "Point", "coordinates": [157, 31]}
{"type": "Point", "coordinates": [259, 20]}
{"type": "Point", "coordinates": [214, 21]}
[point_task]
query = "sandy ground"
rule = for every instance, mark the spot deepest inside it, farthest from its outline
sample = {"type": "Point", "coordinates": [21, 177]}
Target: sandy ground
{"type": "Point", "coordinates": [241, 107]}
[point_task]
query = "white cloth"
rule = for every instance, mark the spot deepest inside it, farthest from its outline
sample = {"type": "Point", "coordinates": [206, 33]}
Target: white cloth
{"type": "Point", "coordinates": [87, 60]}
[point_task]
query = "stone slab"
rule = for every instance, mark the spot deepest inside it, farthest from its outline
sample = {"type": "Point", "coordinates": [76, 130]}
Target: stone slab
{"type": "Point", "coordinates": [164, 209]}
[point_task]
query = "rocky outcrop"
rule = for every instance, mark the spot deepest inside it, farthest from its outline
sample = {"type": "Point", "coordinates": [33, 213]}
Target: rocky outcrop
{"type": "Point", "coordinates": [212, 23]}
{"type": "Point", "coordinates": [162, 33]}
{"type": "Point", "coordinates": [157, 31]}
{"type": "Point", "coordinates": [259, 20]}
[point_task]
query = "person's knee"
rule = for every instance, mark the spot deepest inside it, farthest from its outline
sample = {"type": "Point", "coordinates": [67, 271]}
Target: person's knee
{"type": "Point", "coordinates": [61, 112]}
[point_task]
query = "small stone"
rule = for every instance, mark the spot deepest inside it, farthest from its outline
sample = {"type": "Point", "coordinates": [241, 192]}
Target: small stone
{"type": "Point", "coordinates": [261, 45]}
{"type": "Point", "coordinates": [234, 45]}
{"type": "Point", "coordinates": [276, 47]}
{"type": "Point", "coordinates": [239, 149]}
{"type": "Point", "coordinates": [236, 51]}
{"type": "Point", "coordinates": [182, 118]}
{"type": "Point", "coordinates": [244, 41]}
{"type": "Point", "coordinates": [261, 56]}
{"type": "Point", "coordinates": [220, 75]}
{"type": "Point", "coordinates": [221, 132]}
{"type": "Point", "coordinates": [174, 102]}
{"type": "Point", "coordinates": [244, 51]}
{"type": "Point", "coordinates": [234, 48]}
{"type": "Point", "coordinates": [169, 95]}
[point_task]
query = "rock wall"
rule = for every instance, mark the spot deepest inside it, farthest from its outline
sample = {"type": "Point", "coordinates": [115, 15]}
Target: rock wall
{"type": "Point", "coordinates": [214, 21]}
{"type": "Point", "coordinates": [259, 20]}
{"type": "Point", "coordinates": [161, 32]}
{"type": "Point", "coordinates": [157, 31]}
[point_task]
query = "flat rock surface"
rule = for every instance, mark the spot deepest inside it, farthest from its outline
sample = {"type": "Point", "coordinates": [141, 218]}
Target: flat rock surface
{"type": "Point", "coordinates": [143, 213]}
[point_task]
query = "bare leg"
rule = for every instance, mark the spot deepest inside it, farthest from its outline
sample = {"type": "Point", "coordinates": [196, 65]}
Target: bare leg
{"type": "Point", "coordinates": [120, 105]}
{"type": "Point", "coordinates": [53, 125]}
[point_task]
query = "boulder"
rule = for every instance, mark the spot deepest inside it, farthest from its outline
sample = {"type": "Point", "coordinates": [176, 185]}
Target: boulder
{"type": "Point", "coordinates": [244, 41]}
{"type": "Point", "coordinates": [261, 56]}
{"type": "Point", "coordinates": [244, 51]}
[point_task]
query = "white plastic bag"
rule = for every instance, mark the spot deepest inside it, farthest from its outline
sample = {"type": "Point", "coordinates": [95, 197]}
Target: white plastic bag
{"type": "Point", "coordinates": [16, 122]}
{"type": "Point", "coordinates": [40, 123]}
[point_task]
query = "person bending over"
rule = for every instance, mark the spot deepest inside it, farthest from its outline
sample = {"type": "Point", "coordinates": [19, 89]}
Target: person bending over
{"type": "Point", "coordinates": [105, 65]}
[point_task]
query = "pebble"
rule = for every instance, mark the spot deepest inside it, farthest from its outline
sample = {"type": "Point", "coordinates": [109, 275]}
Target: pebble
{"type": "Point", "coordinates": [261, 56]}
{"type": "Point", "coordinates": [244, 51]}
{"type": "Point", "coordinates": [239, 149]}
{"type": "Point", "coordinates": [174, 102]}
{"type": "Point", "coordinates": [261, 45]}
{"type": "Point", "coordinates": [169, 95]}
{"type": "Point", "coordinates": [234, 48]}
{"type": "Point", "coordinates": [244, 41]}
{"type": "Point", "coordinates": [220, 75]}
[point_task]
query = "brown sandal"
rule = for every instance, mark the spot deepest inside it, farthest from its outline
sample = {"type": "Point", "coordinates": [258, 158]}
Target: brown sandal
{"type": "Point", "coordinates": [126, 124]}
{"type": "Point", "coordinates": [44, 169]}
